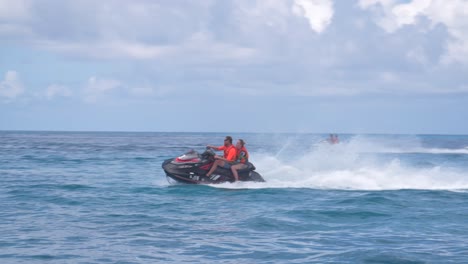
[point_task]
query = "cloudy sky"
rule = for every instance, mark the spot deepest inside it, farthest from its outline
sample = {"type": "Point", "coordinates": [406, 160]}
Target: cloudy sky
{"type": "Point", "coordinates": [357, 66]}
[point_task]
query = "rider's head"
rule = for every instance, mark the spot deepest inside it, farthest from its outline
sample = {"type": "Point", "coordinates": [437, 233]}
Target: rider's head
{"type": "Point", "coordinates": [228, 140]}
{"type": "Point", "coordinates": [240, 143]}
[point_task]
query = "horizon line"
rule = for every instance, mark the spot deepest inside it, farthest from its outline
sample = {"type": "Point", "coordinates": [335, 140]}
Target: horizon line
{"type": "Point", "coordinates": [224, 132]}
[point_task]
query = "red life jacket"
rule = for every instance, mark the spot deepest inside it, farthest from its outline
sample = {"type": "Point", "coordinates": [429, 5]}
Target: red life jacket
{"type": "Point", "coordinates": [242, 155]}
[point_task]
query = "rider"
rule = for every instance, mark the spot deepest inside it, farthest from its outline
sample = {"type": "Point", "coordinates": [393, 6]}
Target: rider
{"type": "Point", "coordinates": [242, 159]}
{"type": "Point", "coordinates": [333, 139]}
{"type": "Point", "coordinates": [228, 158]}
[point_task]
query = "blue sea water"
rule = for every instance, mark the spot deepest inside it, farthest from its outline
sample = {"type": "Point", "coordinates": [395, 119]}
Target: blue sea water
{"type": "Point", "coordinates": [86, 197]}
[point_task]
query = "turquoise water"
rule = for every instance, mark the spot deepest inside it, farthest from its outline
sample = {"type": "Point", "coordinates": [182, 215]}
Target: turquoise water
{"type": "Point", "coordinates": [103, 198]}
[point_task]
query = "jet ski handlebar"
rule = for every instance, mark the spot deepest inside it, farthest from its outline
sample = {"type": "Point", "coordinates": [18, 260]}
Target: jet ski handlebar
{"type": "Point", "coordinates": [208, 153]}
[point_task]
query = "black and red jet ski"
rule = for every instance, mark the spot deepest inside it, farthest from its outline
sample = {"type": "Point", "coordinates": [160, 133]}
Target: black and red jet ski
{"type": "Point", "coordinates": [192, 167]}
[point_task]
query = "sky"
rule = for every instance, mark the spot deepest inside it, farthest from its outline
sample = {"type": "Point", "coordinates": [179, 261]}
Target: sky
{"type": "Point", "coordinates": [269, 66]}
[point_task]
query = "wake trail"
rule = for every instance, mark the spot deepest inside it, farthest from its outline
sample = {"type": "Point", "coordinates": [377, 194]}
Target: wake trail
{"type": "Point", "coordinates": [356, 165]}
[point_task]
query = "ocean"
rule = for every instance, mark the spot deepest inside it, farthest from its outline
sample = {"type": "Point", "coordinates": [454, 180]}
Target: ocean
{"type": "Point", "coordinates": [102, 197]}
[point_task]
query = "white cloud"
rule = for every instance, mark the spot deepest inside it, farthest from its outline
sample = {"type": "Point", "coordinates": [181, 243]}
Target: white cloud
{"type": "Point", "coordinates": [252, 15]}
{"type": "Point", "coordinates": [207, 48]}
{"type": "Point", "coordinates": [11, 87]}
{"type": "Point", "coordinates": [14, 17]}
{"type": "Point", "coordinates": [139, 30]}
{"type": "Point", "coordinates": [319, 13]}
{"type": "Point", "coordinates": [108, 50]}
{"type": "Point", "coordinates": [369, 3]}
{"type": "Point", "coordinates": [406, 14]}
{"type": "Point", "coordinates": [55, 90]}
{"type": "Point", "coordinates": [97, 87]}
{"type": "Point", "coordinates": [238, 42]}
{"type": "Point", "coordinates": [451, 14]}
{"type": "Point", "coordinates": [14, 9]}
{"type": "Point", "coordinates": [198, 45]}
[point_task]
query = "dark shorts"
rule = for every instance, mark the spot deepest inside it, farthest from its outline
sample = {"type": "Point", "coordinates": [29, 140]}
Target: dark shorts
{"type": "Point", "coordinates": [227, 165]}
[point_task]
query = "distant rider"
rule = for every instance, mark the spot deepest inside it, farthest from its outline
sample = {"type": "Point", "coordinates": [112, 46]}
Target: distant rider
{"type": "Point", "coordinates": [333, 139]}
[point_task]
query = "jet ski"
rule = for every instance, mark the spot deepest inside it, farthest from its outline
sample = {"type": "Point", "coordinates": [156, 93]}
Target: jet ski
{"type": "Point", "coordinates": [192, 167]}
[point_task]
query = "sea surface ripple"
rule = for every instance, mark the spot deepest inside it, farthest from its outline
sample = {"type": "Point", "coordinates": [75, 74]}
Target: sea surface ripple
{"type": "Point", "coordinates": [102, 197]}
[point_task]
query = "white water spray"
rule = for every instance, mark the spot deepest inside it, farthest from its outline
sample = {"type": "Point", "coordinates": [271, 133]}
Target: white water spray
{"type": "Point", "coordinates": [356, 165]}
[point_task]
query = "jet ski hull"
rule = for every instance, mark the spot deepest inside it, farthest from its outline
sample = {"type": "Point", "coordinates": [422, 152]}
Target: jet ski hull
{"type": "Point", "coordinates": [193, 171]}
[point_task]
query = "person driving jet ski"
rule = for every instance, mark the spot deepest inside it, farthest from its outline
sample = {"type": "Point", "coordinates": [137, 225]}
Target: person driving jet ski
{"type": "Point", "coordinates": [228, 158]}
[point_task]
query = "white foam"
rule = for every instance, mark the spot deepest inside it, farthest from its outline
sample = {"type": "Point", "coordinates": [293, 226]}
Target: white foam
{"type": "Point", "coordinates": [343, 166]}
{"type": "Point", "coordinates": [408, 144]}
{"type": "Point", "coordinates": [435, 151]}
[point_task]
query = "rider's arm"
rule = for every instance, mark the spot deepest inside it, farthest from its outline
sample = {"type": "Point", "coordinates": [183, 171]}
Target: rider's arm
{"type": "Point", "coordinates": [213, 147]}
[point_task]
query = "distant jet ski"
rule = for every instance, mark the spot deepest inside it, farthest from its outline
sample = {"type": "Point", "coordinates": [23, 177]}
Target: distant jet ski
{"type": "Point", "coordinates": [192, 167]}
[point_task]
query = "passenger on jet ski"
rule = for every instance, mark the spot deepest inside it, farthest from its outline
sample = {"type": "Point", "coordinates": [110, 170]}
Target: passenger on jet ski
{"type": "Point", "coordinates": [228, 158]}
{"type": "Point", "coordinates": [241, 160]}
